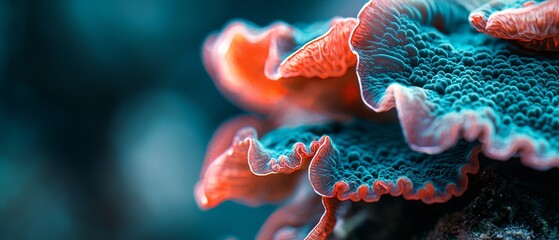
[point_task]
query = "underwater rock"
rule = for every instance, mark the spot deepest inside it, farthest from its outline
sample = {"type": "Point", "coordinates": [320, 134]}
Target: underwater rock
{"type": "Point", "coordinates": [510, 205]}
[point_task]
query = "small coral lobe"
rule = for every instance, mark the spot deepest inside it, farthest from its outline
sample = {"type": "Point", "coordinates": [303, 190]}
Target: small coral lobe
{"type": "Point", "coordinates": [450, 83]}
{"type": "Point", "coordinates": [326, 56]}
{"type": "Point", "coordinates": [265, 69]}
{"type": "Point", "coordinates": [532, 24]}
{"type": "Point", "coordinates": [285, 149]}
{"type": "Point", "coordinates": [226, 174]}
{"type": "Point", "coordinates": [238, 76]}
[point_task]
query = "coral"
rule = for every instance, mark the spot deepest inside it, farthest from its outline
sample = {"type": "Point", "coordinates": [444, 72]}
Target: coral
{"type": "Point", "coordinates": [532, 24]}
{"type": "Point", "coordinates": [449, 83]}
{"type": "Point", "coordinates": [226, 174]}
{"type": "Point", "coordinates": [262, 69]}
{"type": "Point", "coordinates": [295, 219]}
{"type": "Point", "coordinates": [323, 89]}
{"type": "Point", "coordinates": [326, 56]}
{"type": "Point", "coordinates": [364, 161]}
{"type": "Point", "coordinates": [358, 160]}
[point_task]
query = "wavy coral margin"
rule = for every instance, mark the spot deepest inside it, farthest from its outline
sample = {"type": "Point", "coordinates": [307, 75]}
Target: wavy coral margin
{"type": "Point", "coordinates": [226, 174]}
{"type": "Point", "coordinates": [294, 160]}
{"type": "Point", "coordinates": [402, 187]}
{"type": "Point", "coordinates": [297, 159]}
{"type": "Point", "coordinates": [310, 156]}
{"type": "Point", "coordinates": [435, 134]}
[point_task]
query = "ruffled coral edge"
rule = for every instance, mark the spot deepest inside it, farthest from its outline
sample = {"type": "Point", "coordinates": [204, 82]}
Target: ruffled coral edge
{"type": "Point", "coordinates": [297, 80]}
{"type": "Point", "coordinates": [226, 174]}
{"type": "Point", "coordinates": [401, 187]}
{"type": "Point", "coordinates": [297, 159]}
{"type": "Point", "coordinates": [291, 66]}
{"type": "Point", "coordinates": [435, 134]}
{"type": "Point", "coordinates": [318, 150]}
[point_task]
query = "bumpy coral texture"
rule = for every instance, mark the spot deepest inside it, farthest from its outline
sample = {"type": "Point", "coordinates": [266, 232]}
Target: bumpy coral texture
{"type": "Point", "coordinates": [358, 160]}
{"type": "Point", "coordinates": [532, 24]}
{"type": "Point", "coordinates": [364, 160]}
{"type": "Point", "coordinates": [449, 82]}
{"type": "Point", "coordinates": [457, 92]}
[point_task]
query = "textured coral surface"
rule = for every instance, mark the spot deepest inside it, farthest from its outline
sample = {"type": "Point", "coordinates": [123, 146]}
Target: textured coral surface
{"type": "Point", "coordinates": [326, 56]}
{"type": "Point", "coordinates": [363, 160]}
{"type": "Point", "coordinates": [265, 69]}
{"type": "Point", "coordinates": [449, 83]}
{"type": "Point", "coordinates": [357, 160]}
{"type": "Point", "coordinates": [458, 90]}
{"type": "Point", "coordinates": [533, 24]}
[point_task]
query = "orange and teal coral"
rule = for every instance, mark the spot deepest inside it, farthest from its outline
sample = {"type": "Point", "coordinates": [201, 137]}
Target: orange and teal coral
{"type": "Point", "coordinates": [399, 101]}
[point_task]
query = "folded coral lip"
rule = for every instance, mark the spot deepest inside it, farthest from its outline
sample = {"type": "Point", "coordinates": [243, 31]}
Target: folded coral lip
{"type": "Point", "coordinates": [226, 174]}
{"type": "Point", "coordinates": [333, 59]}
{"type": "Point", "coordinates": [219, 63]}
{"type": "Point", "coordinates": [513, 23]}
{"type": "Point", "coordinates": [533, 25]}
{"type": "Point", "coordinates": [263, 70]}
{"type": "Point", "coordinates": [239, 79]}
{"type": "Point", "coordinates": [327, 221]}
{"type": "Point", "coordinates": [284, 164]}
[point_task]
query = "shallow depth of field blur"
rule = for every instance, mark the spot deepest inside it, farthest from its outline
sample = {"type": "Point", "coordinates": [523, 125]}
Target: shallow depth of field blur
{"type": "Point", "coordinates": [106, 110]}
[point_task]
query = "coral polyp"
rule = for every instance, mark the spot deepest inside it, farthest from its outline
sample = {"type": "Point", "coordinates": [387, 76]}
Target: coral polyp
{"type": "Point", "coordinates": [462, 77]}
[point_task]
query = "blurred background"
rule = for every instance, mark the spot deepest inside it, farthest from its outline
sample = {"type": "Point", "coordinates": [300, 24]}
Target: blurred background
{"type": "Point", "coordinates": [106, 110]}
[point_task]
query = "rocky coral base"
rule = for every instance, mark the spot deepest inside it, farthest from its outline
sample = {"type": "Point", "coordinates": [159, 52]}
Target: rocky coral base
{"type": "Point", "coordinates": [505, 201]}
